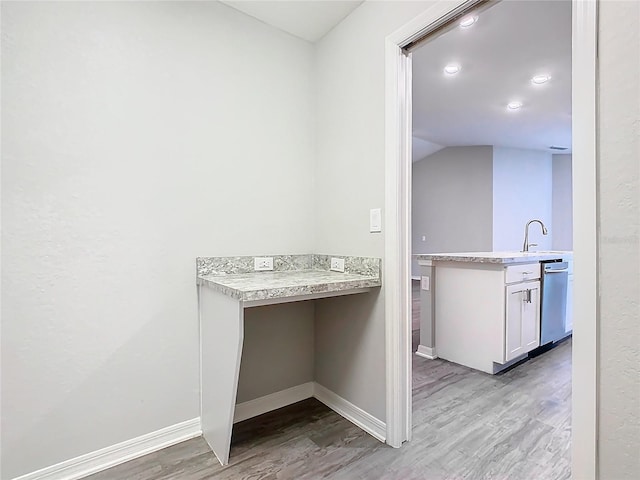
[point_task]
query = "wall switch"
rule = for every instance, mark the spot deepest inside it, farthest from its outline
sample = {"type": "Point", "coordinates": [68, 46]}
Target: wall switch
{"type": "Point", "coordinates": [337, 264]}
{"type": "Point", "coordinates": [262, 263]}
{"type": "Point", "coordinates": [375, 220]}
{"type": "Point", "coordinates": [424, 283]}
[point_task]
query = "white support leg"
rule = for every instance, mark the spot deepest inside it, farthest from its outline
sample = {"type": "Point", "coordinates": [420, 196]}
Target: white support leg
{"type": "Point", "coordinates": [221, 336]}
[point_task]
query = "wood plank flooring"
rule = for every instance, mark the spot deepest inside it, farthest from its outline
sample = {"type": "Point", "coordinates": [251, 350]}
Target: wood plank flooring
{"type": "Point", "coordinates": [467, 425]}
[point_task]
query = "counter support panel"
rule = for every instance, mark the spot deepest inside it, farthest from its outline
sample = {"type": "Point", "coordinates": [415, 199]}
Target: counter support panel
{"type": "Point", "coordinates": [222, 332]}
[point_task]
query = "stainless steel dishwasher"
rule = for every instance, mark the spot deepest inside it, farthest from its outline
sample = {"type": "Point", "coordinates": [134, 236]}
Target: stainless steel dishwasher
{"type": "Point", "coordinates": [553, 308]}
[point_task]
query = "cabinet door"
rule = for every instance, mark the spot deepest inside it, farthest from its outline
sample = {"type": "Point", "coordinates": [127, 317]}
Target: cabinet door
{"type": "Point", "coordinates": [522, 320]}
{"type": "Point", "coordinates": [569, 314]}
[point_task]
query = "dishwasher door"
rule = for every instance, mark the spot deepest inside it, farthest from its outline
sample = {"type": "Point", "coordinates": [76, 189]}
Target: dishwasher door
{"type": "Point", "coordinates": [553, 308]}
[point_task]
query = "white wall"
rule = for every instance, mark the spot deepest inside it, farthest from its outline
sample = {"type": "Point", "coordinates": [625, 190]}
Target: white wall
{"type": "Point", "coordinates": [562, 203]}
{"type": "Point", "coordinates": [350, 181]}
{"type": "Point", "coordinates": [136, 136]}
{"type": "Point", "coordinates": [619, 244]}
{"type": "Point", "coordinates": [522, 191]}
{"type": "Point", "coordinates": [452, 201]}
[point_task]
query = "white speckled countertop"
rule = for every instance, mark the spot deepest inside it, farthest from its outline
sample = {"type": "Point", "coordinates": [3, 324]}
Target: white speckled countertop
{"type": "Point", "coordinates": [495, 257]}
{"type": "Point", "coordinates": [294, 276]}
{"type": "Point", "coordinates": [264, 285]}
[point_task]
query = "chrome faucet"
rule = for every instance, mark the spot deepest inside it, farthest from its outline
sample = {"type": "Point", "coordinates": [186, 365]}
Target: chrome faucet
{"type": "Point", "coordinates": [525, 246]}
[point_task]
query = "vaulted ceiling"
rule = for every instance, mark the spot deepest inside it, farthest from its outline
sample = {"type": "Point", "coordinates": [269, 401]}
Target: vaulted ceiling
{"type": "Point", "coordinates": [498, 55]}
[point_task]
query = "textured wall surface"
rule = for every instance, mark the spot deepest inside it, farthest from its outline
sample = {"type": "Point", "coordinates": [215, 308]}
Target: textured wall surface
{"type": "Point", "coordinates": [619, 263]}
{"type": "Point", "coordinates": [135, 137]}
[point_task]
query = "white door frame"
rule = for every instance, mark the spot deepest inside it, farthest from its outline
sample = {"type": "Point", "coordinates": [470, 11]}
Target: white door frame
{"type": "Point", "coordinates": [398, 232]}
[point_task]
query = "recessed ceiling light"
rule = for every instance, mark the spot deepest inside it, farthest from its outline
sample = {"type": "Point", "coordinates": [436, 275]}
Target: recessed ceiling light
{"type": "Point", "coordinates": [540, 79]}
{"type": "Point", "coordinates": [452, 69]}
{"type": "Point", "coordinates": [468, 21]}
{"type": "Point", "coordinates": [514, 105]}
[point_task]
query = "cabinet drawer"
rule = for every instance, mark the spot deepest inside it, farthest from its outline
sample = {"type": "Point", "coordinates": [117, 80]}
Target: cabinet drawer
{"type": "Point", "coordinates": [522, 273]}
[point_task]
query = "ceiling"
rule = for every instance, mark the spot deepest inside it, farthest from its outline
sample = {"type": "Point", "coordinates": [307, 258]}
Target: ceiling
{"type": "Point", "coordinates": [309, 19]}
{"type": "Point", "coordinates": [509, 44]}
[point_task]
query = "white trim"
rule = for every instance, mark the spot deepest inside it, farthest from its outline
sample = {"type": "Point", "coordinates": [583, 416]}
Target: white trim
{"type": "Point", "coordinates": [397, 248]}
{"type": "Point", "coordinates": [276, 400]}
{"type": "Point", "coordinates": [427, 352]}
{"type": "Point", "coordinates": [348, 410]}
{"type": "Point", "coordinates": [108, 457]}
{"type": "Point", "coordinates": [584, 454]}
{"type": "Point", "coordinates": [398, 217]}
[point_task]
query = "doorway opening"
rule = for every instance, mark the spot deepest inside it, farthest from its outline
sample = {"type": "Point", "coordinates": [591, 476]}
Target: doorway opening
{"type": "Point", "coordinates": [489, 120]}
{"type": "Point", "coordinates": [398, 269]}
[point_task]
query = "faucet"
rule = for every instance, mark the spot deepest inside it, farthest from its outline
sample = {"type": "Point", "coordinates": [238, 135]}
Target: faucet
{"type": "Point", "coordinates": [525, 246]}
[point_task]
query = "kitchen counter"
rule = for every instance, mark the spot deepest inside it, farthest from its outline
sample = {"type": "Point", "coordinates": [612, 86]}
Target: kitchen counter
{"type": "Point", "coordinates": [495, 257]}
{"type": "Point", "coordinates": [465, 315]}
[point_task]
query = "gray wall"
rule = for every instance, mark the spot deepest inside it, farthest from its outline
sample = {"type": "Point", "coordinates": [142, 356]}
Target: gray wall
{"type": "Point", "coordinates": [349, 180]}
{"type": "Point", "coordinates": [480, 198]}
{"type": "Point", "coordinates": [277, 352]}
{"type": "Point", "coordinates": [562, 200]}
{"type": "Point", "coordinates": [522, 191]}
{"type": "Point", "coordinates": [619, 245]}
{"type": "Point", "coordinates": [452, 201]}
{"type": "Point", "coordinates": [133, 140]}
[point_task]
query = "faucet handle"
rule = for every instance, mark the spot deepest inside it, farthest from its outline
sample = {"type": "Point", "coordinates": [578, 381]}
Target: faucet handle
{"type": "Point", "coordinates": [532, 245]}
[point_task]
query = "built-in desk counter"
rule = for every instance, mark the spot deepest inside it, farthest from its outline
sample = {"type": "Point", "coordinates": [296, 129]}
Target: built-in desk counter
{"type": "Point", "coordinates": [228, 285]}
{"type": "Point", "coordinates": [313, 279]}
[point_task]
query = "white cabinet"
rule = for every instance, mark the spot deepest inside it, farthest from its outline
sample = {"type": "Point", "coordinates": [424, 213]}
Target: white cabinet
{"type": "Point", "coordinates": [522, 319]}
{"type": "Point", "coordinates": [487, 315]}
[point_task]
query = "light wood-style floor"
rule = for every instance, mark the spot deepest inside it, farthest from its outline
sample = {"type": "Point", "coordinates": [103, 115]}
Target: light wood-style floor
{"type": "Point", "coordinates": [467, 425]}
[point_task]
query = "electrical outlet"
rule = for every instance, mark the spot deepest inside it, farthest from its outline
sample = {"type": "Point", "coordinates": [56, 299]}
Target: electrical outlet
{"type": "Point", "coordinates": [261, 264]}
{"type": "Point", "coordinates": [424, 283]}
{"type": "Point", "coordinates": [337, 264]}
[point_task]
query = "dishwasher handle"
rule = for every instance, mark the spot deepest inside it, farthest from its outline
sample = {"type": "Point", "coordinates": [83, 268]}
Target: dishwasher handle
{"type": "Point", "coordinates": [556, 271]}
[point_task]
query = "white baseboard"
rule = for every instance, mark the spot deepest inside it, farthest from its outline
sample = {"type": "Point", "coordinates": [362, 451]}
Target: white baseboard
{"type": "Point", "coordinates": [102, 459]}
{"type": "Point", "coordinates": [276, 400]}
{"type": "Point", "coordinates": [108, 457]}
{"type": "Point", "coordinates": [348, 410]}
{"type": "Point", "coordinates": [427, 352]}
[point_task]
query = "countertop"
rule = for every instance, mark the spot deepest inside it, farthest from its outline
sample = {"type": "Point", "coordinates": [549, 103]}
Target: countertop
{"type": "Point", "coordinates": [294, 276]}
{"type": "Point", "coordinates": [495, 257]}
{"type": "Point", "coordinates": [267, 285]}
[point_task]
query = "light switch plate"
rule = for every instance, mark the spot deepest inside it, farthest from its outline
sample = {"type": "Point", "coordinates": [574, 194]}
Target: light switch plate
{"type": "Point", "coordinates": [424, 283]}
{"type": "Point", "coordinates": [337, 264]}
{"type": "Point", "coordinates": [261, 264]}
{"type": "Point", "coordinates": [375, 220]}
